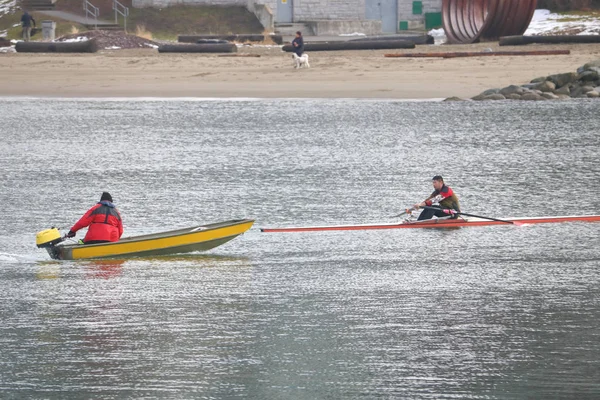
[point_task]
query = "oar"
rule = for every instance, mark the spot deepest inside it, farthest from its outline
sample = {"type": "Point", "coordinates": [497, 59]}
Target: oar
{"type": "Point", "coordinates": [452, 212]}
{"type": "Point", "coordinates": [402, 213]}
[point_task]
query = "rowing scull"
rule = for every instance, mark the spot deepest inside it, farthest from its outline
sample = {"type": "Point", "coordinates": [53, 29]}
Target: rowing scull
{"type": "Point", "coordinates": [440, 223]}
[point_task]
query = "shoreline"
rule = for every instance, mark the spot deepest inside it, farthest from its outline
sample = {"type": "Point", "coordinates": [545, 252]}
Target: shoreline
{"type": "Point", "coordinates": [362, 74]}
{"type": "Point", "coordinates": [209, 99]}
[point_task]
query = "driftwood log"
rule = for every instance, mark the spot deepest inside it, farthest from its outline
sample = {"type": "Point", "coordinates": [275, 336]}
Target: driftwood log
{"type": "Point", "coordinates": [351, 45]}
{"type": "Point", "coordinates": [241, 38]}
{"type": "Point", "coordinates": [557, 39]}
{"type": "Point", "coordinates": [198, 48]}
{"type": "Point", "coordinates": [87, 46]}
{"type": "Point", "coordinates": [416, 39]}
{"type": "Point", "coordinates": [480, 54]}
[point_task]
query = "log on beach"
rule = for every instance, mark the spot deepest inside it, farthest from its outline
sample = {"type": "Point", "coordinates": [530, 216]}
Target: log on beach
{"type": "Point", "coordinates": [367, 45]}
{"type": "Point", "coordinates": [557, 39]}
{"type": "Point", "coordinates": [86, 46]}
{"type": "Point", "coordinates": [198, 48]}
{"type": "Point", "coordinates": [416, 39]}
{"type": "Point", "coordinates": [479, 54]}
{"type": "Point", "coordinates": [256, 38]}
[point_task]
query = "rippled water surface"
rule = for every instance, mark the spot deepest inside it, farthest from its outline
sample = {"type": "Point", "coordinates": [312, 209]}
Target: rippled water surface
{"type": "Point", "coordinates": [499, 312]}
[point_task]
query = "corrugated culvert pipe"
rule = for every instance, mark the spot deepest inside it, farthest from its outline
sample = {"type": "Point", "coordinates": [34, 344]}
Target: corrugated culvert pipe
{"type": "Point", "coordinates": [471, 21]}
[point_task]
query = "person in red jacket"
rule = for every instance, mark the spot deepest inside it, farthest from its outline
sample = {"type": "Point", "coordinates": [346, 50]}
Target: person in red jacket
{"type": "Point", "coordinates": [442, 195]}
{"type": "Point", "coordinates": [104, 221]}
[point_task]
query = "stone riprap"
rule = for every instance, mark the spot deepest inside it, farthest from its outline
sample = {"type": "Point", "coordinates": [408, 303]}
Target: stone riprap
{"type": "Point", "coordinates": [585, 83]}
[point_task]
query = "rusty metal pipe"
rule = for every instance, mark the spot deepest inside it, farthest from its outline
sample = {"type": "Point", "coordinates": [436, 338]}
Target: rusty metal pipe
{"type": "Point", "coordinates": [469, 21]}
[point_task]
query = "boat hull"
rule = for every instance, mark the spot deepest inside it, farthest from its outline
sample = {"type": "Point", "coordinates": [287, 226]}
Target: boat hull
{"type": "Point", "coordinates": [440, 224]}
{"type": "Point", "coordinates": [197, 238]}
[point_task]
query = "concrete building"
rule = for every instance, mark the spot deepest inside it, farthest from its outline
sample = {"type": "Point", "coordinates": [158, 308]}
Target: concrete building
{"type": "Point", "coordinates": [331, 17]}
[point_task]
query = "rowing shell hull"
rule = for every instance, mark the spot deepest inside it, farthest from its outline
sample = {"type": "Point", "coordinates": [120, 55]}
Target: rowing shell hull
{"type": "Point", "coordinates": [440, 223]}
{"type": "Point", "coordinates": [197, 238]}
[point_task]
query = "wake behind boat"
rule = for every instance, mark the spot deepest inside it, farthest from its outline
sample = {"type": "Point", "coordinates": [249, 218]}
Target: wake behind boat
{"type": "Point", "coordinates": [440, 223]}
{"type": "Point", "coordinates": [196, 238]}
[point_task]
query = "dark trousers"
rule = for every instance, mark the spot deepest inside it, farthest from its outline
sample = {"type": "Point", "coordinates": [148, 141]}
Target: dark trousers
{"type": "Point", "coordinates": [429, 213]}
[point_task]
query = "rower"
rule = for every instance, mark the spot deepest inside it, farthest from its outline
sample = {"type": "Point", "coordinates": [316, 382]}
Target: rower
{"type": "Point", "coordinates": [443, 196]}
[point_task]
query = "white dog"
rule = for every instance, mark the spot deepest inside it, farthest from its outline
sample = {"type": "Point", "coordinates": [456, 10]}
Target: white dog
{"type": "Point", "coordinates": [300, 62]}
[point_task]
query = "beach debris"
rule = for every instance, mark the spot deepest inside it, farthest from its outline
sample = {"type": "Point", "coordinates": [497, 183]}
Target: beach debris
{"type": "Point", "coordinates": [585, 83]}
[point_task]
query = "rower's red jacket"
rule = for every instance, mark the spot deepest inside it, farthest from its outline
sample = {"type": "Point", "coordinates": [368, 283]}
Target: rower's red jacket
{"type": "Point", "coordinates": [104, 221]}
{"type": "Point", "coordinates": [445, 197]}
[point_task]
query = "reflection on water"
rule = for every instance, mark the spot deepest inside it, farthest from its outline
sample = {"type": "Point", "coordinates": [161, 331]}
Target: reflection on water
{"type": "Point", "coordinates": [494, 312]}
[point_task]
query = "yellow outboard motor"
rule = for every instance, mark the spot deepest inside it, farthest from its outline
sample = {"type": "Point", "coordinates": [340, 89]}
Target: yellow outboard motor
{"type": "Point", "coordinates": [48, 238]}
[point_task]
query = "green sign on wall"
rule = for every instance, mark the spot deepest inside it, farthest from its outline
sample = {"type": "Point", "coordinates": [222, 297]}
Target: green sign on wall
{"type": "Point", "coordinates": [433, 20]}
{"type": "Point", "coordinates": [417, 7]}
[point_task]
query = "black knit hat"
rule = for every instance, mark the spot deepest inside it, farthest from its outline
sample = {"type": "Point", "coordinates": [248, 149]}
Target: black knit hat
{"type": "Point", "coordinates": [106, 196]}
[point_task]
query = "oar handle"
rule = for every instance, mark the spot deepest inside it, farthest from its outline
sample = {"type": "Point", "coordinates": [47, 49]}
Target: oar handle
{"type": "Point", "coordinates": [407, 211]}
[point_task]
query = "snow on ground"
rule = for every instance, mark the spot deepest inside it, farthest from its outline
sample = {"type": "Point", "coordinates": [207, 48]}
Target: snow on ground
{"type": "Point", "coordinates": [7, 6]}
{"type": "Point", "coordinates": [353, 34]}
{"type": "Point", "coordinates": [546, 23]}
{"type": "Point", "coordinates": [10, 49]}
{"type": "Point", "coordinates": [76, 39]}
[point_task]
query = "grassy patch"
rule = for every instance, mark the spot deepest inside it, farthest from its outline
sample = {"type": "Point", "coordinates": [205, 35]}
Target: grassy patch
{"type": "Point", "coordinates": [8, 22]}
{"type": "Point", "coordinates": [568, 16]}
{"type": "Point", "coordinates": [166, 23]}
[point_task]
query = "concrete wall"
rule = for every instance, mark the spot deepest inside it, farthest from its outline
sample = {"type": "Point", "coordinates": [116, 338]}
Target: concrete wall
{"type": "Point", "coordinates": [264, 13]}
{"type": "Point", "coordinates": [309, 10]}
{"type": "Point", "coordinates": [405, 12]}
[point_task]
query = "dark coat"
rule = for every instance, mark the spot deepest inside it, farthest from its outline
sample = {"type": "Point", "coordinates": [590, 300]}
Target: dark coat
{"type": "Point", "coordinates": [298, 45]}
{"type": "Point", "coordinates": [26, 20]}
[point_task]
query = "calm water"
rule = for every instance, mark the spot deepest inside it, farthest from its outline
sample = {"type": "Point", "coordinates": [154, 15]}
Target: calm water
{"type": "Point", "coordinates": [488, 313]}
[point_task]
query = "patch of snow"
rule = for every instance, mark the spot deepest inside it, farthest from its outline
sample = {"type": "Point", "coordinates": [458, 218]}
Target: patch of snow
{"type": "Point", "coordinates": [3, 33]}
{"type": "Point", "coordinates": [152, 45]}
{"type": "Point", "coordinates": [545, 22]}
{"type": "Point", "coordinates": [77, 39]}
{"type": "Point", "coordinates": [353, 34]}
{"type": "Point", "coordinates": [439, 35]}
{"type": "Point", "coordinates": [112, 48]}
{"type": "Point", "coordinates": [14, 41]}
{"type": "Point", "coordinates": [15, 25]}
{"type": "Point", "coordinates": [7, 6]}
{"type": "Point", "coordinates": [9, 49]}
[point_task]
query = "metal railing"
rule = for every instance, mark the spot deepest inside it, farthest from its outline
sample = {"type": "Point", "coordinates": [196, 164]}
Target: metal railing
{"type": "Point", "coordinates": [91, 10]}
{"type": "Point", "coordinates": [120, 9]}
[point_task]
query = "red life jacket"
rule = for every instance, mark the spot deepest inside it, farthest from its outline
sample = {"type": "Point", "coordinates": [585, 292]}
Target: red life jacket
{"type": "Point", "coordinates": [104, 223]}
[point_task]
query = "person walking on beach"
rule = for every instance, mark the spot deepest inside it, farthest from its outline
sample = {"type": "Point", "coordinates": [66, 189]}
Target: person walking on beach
{"type": "Point", "coordinates": [298, 44]}
{"type": "Point", "coordinates": [442, 195]}
{"type": "Point", "coordinates": [104, 221]}
{"type": "Point", "coordinates": [26, 21]}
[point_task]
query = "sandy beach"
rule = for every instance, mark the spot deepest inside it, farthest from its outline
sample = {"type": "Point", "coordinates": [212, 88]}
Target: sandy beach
{"type": "Point", "coordinates": [347, 74]}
